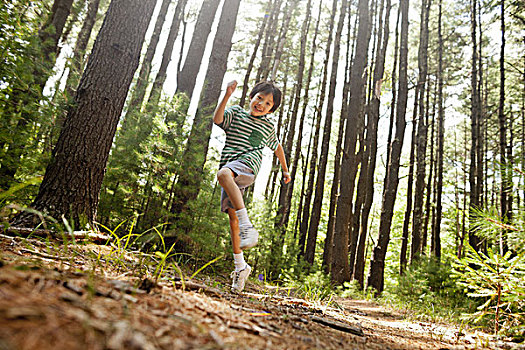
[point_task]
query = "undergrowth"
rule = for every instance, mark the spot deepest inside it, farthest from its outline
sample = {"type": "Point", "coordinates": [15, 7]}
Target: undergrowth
{"type": "Point", "coordinates": [429, 291]}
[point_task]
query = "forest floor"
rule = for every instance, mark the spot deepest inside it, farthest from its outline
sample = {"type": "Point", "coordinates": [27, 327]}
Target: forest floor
{"type": "Point", "coordinates": [55, 296]}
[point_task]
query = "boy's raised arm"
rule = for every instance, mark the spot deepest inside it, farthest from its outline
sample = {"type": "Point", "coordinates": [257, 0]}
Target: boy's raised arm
{"type": "Point", "coordinates": [218, 115]}
{"type": "Point", "coordinates": [279, 152]}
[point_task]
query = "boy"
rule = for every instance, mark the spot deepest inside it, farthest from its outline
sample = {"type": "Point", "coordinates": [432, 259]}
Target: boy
{"type": "Point", "coordinates": [247, 132]}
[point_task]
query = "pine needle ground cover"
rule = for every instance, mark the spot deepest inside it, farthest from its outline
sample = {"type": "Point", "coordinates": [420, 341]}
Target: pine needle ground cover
{"type": "Point", "coordinates": [86, 296]}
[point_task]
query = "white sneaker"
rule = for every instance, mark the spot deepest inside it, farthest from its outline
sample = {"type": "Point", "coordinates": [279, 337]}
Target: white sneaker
{"type": "Point", "coordinates": [249, 237]}
{"type": "Point", "coordinates": [239, 278]}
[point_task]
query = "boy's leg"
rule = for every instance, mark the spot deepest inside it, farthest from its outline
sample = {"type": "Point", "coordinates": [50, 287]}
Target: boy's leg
{"type": "Point", "coordinates": [242, 269]}
{"type": "Point", "coordinates": [234, 231]}
{"type": "Point", "coordinates": [226, 179]}
{"type": "Point", "coordinates": [229, 183]}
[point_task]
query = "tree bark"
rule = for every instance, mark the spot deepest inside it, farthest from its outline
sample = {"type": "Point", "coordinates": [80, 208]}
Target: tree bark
{"type": "Point", "coordinates": [421, 146]}
{"type": "Point", "coordinates": [364, 125]}
{"type": "Point", "coordinates": [282, 40]}
{"type": "Point", "coordinates": [377, 264]}
{"type": "Point", "coordinates": [303, 228]}
{"type": "Point", "coordinates": [139, 91]}
{"type": "Point", "coordinates": [187, 77]}
{"type": "Point", "coordinates": [194, 156]}
{"type": "Point", "coordinates": [393, 104]}
{"type": "Point", "coordinates": [340, 269]}
{"type": "Point", "coordinates": [474, 241]}
{"type": "Point", "coordinates": [269, 42]}
{"type": "Point", "coordinates": [359, 266]}
{"type": "Point", "coordinates": [410, 185]}
{"type": "Point", "coordinates": [79, 52]}
{"type": "Point", "coordinates": [504, 170]}
{"type": "Point", "coordinates": [431, 182]}
{"type": "Point", "coordinates": [285, 197]}
{"type": "Point", "coordinates": [323, 160]}
{"type": "Point", "coordinates": [436, 237]}
{"type": "Point", "coordinates": [156, 90]}
{"type": "Point", "coordinates": [334, 192]}
{"type": "Point", "coordinates": [73, 179]}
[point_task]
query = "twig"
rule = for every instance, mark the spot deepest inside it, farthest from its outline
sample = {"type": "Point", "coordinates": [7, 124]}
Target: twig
{"type": "Point", "coordinates": [43, 255]}
{"type": "Point", "coordinates": [96, 237]}
{"type": "Point", "coordinates": [339, 326]}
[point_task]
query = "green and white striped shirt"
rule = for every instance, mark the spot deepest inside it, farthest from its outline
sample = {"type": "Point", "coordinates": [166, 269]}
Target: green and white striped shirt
{"type": "Point", "coordinates": [246, 137]}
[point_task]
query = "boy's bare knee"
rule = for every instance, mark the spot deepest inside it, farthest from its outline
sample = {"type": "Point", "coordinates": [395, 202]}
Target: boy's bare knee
{"type": "Point", "coordinates": [224, 174]}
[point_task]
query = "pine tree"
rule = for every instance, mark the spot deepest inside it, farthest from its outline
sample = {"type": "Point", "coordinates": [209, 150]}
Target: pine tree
{"type": "Point", "coordinates": [74, 177]}
{"type": "Point", "coordinates": [377, 264]}
{"type": "Point", "coordinates": [188, 75]}
{"type": "Point", "coordinates": [340, 269]}
{"type": "Point", "coordinates": [194, 157]}
{"type": "Point", "coordinates": [421, 143]}
{"type": "Point", "coordinates": [323, 160]}
{"type": "Point", "coordinates": [358, 272]}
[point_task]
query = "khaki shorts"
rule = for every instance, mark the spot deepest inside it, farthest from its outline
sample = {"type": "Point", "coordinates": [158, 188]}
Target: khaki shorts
{"type": "Point", "coordinates": [243, 177]}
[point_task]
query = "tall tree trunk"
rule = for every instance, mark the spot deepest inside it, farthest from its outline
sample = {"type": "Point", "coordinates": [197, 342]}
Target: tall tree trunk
{"type": "Point", "coordinates": [393, 103]}
{"type": "Point", "coordinates": [364, 150]}
{"type": "Point", "coordinates": [285, 198]}
{"type": "Point", "coordinates": [474, 241]}
{"type": "Point", "coordinates": [73, 179]}
{"type": "Point", "coordinates": [303, 185]}
{"type": "Point", "coordinates": [377, 264]}
{"type": "Point", "coordinates": [421, 146]}
{"type": "Point", "coordinates": [306, 99]}
{"type": "Point", "coordinates": [303, 228]}
{"type": "Point", "coordinates": [282, 39]}
{"type": "Point", "coordinates": [334, 192]}
{"type": "Point", "coordinates": [50, 34]}
{"type": "Point", "coordinates": [137, 97]}
{"type": "Point", "coordinates": [523, 130]}
{"type": "Point", "coordinates": [340, 270]}
{"type": "Point", "coordinates": [359, 267]}
{"type": "Point", "coordinates": [323, 160]}
{"type": "Point", "coordinates": [187, 77]}
{"type": "Point", "coordinates": [482, 125]}
{"type": "Point", "coordinates": [436, 237]}
{"type": "Point", "coordinates": [79, 52]}
{"type": "Point", "coordinates": [246, 81]}
{"type": "Point", "coordinates": [156, 90]}
{"type": "Point", "coordinates": [194, 156]}
{"type": "Point", "coordinates": [410, 185]}
{"type": "Point", "coordinates": [269, 42]}
{"type": "Point", "coordinates": [305, 215]}
{"type": "Point", "coordinates": [431, 182]}
{"type": "Point", "coordinates": [76, 66]}
{"type": "Point", "coordinates": [505, 171]}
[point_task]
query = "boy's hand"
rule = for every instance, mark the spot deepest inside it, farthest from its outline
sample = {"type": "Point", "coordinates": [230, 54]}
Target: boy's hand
{"type": "Point", "coordinates": [230, 88]}
{"type": "Point", "coordinates": [286, 177]}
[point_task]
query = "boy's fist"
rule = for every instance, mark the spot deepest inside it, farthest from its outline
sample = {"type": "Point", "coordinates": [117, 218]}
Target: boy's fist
{"type": "Point", "coordinates": [286, 177]}
{"type": "Point", "coordinates": [230, 88]}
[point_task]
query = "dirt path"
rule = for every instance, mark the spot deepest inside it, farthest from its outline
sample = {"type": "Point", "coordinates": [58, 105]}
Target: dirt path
{"type": "Point", "coordinates": [51, 298]}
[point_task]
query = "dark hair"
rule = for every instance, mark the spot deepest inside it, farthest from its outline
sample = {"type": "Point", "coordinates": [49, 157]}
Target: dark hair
{"type": "Point", "coordinates": [268, 87]}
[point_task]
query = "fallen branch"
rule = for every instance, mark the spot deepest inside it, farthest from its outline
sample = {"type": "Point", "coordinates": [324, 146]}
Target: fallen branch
{"type": "Point", "coordinates": [189, 285]}
{"type": "Point", "coordinates": [94, 236]}
{"type": "Point", "coordinates": [43, 255]}
{"type": "Point", "coordinates": [339, 326]}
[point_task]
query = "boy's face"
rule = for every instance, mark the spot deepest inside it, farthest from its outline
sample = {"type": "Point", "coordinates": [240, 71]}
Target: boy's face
{"type": "Point", "coordinates": [261, 104]}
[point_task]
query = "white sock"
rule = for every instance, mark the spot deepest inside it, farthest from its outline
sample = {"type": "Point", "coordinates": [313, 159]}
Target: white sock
{"type": "Point", "coordinates": [239, 261]}
{"type": "Point", "coordinates": [242, 215]}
